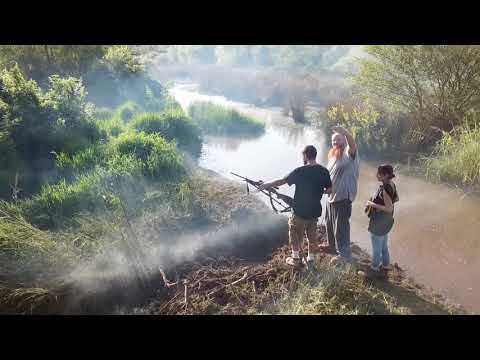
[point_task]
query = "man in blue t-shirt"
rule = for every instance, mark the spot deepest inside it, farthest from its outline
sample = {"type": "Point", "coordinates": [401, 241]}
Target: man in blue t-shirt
{"type": "Point", "coordinates": [311, 181]}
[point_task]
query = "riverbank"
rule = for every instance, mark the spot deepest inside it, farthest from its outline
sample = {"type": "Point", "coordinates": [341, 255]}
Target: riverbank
{"type": "Point", "coordinates": [436, 228]}
{"type": "Point", "coordinates": [243, 285]}
{"type": "Point", "coordinates": [231, 259]}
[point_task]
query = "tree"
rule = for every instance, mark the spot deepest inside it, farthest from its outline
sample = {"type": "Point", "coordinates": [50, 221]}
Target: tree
{"type": "Point", "coordinates": [121, 60]}
{"type": "Point", "coordinates": [436, 83]}
{"type": "Point", "coordinates": [33, 124]}
{"type": "Point", "coordinates": [40, 61]}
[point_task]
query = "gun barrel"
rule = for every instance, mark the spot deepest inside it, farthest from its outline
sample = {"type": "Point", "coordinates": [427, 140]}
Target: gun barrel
{"type": "Point", "coordinates": [238, 175]}
{"type": "Point", "coordinates": [285, 198]}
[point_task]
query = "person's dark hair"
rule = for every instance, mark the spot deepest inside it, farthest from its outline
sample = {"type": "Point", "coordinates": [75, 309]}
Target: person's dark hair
{"type": "Point", "coordinates": [386, 169]}
{"type": "Point", "coordinates": [310, 152]}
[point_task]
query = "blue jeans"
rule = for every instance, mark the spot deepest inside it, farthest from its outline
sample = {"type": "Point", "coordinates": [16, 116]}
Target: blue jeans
{"type": "Point", "coordinates": [380, 250]}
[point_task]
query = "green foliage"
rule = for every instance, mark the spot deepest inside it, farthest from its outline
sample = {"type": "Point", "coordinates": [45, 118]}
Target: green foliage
{"type": "Point", "coordinates": [377, 133]}
{"type": "Point", "coordinates": [126, 111]}
{"type": "Point", "coordinates": [112, 127]}
{"type": "Point", "coordinates": [111, 89]}
{"type": "Point", "coordinates": [160, 158]}
{"type": "Point", "coordinates": [159, 102]}
{"type": "Point", "coordinates": [172, 124]}
{"type": "Point", "coordinates": [25, 250]}
{"type": "Point", "coordinates": [337, 293]}
{"type": "Point", "coordinates": [61, 200]}
{"type": "Point", "coordinates": [364, 122]}
{"type": "Point", "coordinates": [291, 57]}
{"type": "Point", "coordinates": [36, 124]}
{"type": "Point", "coordinates": [121, 60]}
{"type": "Point", "coordinates": [216, 119]}
{"type": "Point", "coordinates": [82, 161]}
{"type": "Point", "coordinates": [102, 113]}
{"type": "Point", "coordinates": [66, 101]}
{"type": "Point", "coordinates": [456, 158]}
{"type": "Point", "coordinates": [40, 61]}
{"type": "Point", "coordinates": [440, 83]}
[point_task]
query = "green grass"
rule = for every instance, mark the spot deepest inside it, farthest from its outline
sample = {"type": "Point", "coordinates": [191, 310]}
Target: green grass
{"type": "Point", "coordinates": [82, 161]}
{"type": "Point", "coordinates": [171, 124]}
{"type": "Point", "coordinates": [112, 127]}
{"type": "Point", "coordinates": [127, 110]}
{"type": "Point", "coordinates": [336, 292]}
{"type": "Point", "coordinates": [456, 158]}
{"type": "Point", "coordinates": [161, 159]}
{"type": "Point", "coordinates": [63, 200]}
{"type": "Point", "coordinates": [218, 120]}
{"type": "Point", "coordinates": [18, 237]}
{"type": "Point", "coordinates": [103, 113]}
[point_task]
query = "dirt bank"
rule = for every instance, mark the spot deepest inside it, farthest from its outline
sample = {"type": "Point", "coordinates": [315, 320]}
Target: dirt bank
{"type": "Point", "coordinates": [238, 267]}
{"type": "Point", "coordinates": [231, 285]}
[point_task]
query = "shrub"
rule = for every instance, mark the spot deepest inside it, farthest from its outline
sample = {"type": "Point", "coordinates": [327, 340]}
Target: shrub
{"type": "Point", "coordinates": [216, 119]}
{"type": "Point", "coordinates": [126, 111]}
{"type": "Point", "coordinates": [36, 124]}
{"type": "Point", "coordinates": [161, 159]}
{"type": "Point", "coordinates": [82, 161]}
{"type": "Point", "coordinates": [121, 60]}
{"type": "Point", "coordinates": [112, 127]}
{"type": "Point", "coordinates": [456, 158]}
{"type": "Point", "coordinates": [57, 201]}
{"type": "Point", "coordinates": [24, 248]}
{"type": "Point", "coordinates": [96, 191]}
{"type": "Point", "coordinates": [103, 113]}
{"type": "Point", "coordinates": [172, 125]}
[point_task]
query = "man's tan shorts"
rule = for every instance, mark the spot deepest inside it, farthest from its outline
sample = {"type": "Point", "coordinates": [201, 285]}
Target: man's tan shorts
{"type": "Point", "coordinates": [297, 227]}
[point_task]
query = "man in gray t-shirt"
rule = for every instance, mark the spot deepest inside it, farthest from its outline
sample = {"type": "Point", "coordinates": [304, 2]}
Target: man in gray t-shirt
{"type": "Point", "coordinates": [343, 165]}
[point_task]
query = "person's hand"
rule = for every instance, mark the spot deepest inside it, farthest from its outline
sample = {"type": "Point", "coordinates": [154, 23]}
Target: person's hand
{"type": "Point", "coordinates": [339, 129]}
{"type": "Point", "coordinates": [261, 186]}
{"type": "Point", "coordinates": [371, 203]}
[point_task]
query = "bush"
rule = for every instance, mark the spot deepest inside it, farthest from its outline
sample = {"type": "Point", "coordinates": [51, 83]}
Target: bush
{"type": "Point", "coordinates": [112, 127]}
{"type": "Point", "coordinates": [218, 120]}
{"type": "Point", "coordinates": [74, 126]}
{"type": "Point", "coordinates": [456, 158]}
{"type": "Point", "coordinates": [160, 158]}
{"type": "Point", "coordinates": [121, 60]}
{"type": "Point", "coordinates": [96, 191]}
{"type": "Point", "coordinates": [172, 125]}
{"type": "Point", "coordinates": [126, 111]}
{"type": "Point", "coordinates": [376, 133]}
{"type": "Point", "coordinates": [82, 161]}
{"type": "Point", "coordinates": [35, 124]}
{"type": "Point", "coordinates": [25, 250]}
{"type": "Point", "coordinates": [103, 113]}
{"type": "Point", "coordinates": [57, 201]}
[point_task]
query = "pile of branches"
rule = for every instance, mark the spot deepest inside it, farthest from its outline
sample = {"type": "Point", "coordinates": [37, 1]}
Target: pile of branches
{"type": "Point", "coordinates": [227, 284]}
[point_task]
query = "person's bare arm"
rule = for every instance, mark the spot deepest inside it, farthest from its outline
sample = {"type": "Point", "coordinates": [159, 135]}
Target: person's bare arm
{"type": "Point", "coordinates": [352, 145]}
{"type": "Point", "coordinates": [388, 207]}
{"type": "Point", "coordinates": [271, 184]}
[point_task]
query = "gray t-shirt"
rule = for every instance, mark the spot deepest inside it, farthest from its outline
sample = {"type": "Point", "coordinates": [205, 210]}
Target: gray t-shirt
{"type": "Point", "coordinates": [344, 174]}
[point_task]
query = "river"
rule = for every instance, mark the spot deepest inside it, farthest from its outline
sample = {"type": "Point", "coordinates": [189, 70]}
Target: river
{"type": "Point", "coordinates": [436, 236]}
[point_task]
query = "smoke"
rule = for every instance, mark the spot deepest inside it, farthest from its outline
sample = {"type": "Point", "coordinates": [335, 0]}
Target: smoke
{"type": "Point", "coordinates": [144, 249]}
